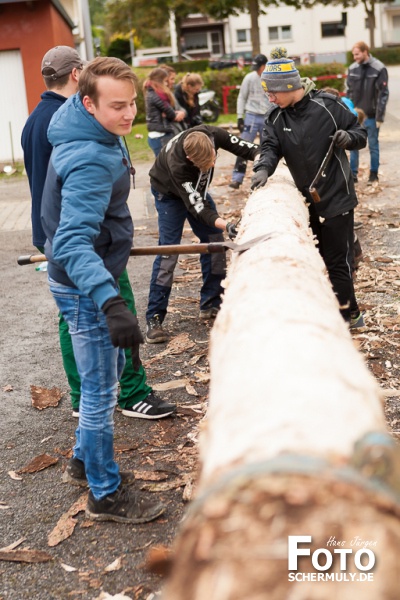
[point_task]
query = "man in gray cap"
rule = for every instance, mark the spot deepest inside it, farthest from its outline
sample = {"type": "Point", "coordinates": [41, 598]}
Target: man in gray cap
{"type": "Point", "coordinates": [252, 104]}
{"type": "Point", "coordinates": [301, 127]}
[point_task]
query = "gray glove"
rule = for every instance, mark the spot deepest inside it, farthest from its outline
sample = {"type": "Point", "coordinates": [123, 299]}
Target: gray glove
{"type": "Point", "coordinates": [341, 138]}
{"type": "Point", "coordinates": [231, 230]}
{"type": "Point", "coordinates": [259, 179]}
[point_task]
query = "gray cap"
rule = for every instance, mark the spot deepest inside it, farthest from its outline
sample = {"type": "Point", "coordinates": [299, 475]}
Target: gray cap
{"type": "Point", "coordinates": [60, 61]}
{"type": "Point", "coordinates": [280, 73]}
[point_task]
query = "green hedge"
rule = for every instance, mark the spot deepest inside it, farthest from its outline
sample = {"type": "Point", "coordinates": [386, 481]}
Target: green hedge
{"type": "Point", "coordinates": [216, 79]}
{"type": "Point", "coordinates": [389, 56]}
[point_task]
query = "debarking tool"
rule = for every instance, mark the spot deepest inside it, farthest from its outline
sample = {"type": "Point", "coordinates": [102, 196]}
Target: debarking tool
{"type": "Point", "coordinates": [321, 173]}
{"type": "Point", "coordinates": [211, 248]}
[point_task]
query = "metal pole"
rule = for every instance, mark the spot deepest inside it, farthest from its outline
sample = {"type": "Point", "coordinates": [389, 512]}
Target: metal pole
{"type": "Point", "coordinates": [11, 142]}
{"type": "Point", "coordinates": [131, 43]}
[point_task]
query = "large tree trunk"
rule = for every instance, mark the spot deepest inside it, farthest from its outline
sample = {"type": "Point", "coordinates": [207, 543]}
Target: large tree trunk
{"type": "Point", "coordinates": [254, 11]}
{"type": "Point", "coordinates": [290, 396]}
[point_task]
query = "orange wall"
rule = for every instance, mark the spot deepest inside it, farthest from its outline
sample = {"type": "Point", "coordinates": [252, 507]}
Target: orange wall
{"type": "Point", "coordinates": [33, 30]}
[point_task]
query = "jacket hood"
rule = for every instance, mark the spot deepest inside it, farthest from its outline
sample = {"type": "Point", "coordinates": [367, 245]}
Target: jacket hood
{"type": "Point", "coordinates": [73, 123]}
{"type": "Point", "coordinates": [307, 84]}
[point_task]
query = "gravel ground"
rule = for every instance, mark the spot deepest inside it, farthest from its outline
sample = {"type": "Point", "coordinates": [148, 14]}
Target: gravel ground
{"type": "Point", "coordinates": [163, 454]}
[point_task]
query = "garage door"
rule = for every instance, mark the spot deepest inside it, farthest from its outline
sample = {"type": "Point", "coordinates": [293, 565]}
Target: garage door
{"type": "Point", "coordinates": [13, 105]}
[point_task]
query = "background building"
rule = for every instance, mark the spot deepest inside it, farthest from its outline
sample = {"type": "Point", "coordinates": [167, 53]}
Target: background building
{"type": "Point", "coordinates": [27, 31]}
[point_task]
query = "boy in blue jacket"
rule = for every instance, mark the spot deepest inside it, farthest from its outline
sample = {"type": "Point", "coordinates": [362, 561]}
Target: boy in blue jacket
{"type": "Point", "coordinates": [89, 233]}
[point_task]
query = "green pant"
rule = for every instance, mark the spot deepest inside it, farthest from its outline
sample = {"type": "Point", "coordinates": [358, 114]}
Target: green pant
{"type": "Point", "coordinates": [133, 384]}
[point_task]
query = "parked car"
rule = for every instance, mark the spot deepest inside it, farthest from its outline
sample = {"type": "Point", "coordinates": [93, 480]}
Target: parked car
{"type": "Point", "coordinates": [232, 59]}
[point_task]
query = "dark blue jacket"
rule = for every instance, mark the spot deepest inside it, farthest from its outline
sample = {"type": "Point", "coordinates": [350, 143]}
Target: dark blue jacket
{"type": "Point", "coordinates": [85, 215]}
{"type": "Point", "coordinates": [37, 150]}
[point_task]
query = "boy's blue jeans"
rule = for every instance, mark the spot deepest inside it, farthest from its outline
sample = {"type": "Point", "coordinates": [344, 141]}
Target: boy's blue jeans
{"type": "Point", "coordinates": [253, 125]}
{"type": "Point", "coordinates": [373, 145]}
{"type": "Point", "coordinates": [100, 366]}
{"type": "Point", "coordinates": [172, 214]}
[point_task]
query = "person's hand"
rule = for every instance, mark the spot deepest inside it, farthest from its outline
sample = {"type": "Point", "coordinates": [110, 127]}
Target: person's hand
{"type": "Point", "coordinates": [259, 179]}
{"type": "Point", "coordinates": [378, 124]}
{"type": "Point", "coordinates": [240, 124]}
{"type": "Point", "coordinates": [341, 139]}
{"type": "Point", "coordinates": [180, 115]}
{"type": "Point", "coordinates": [122, 324]}
{"type": "Point", "coordinates": [231, 230]}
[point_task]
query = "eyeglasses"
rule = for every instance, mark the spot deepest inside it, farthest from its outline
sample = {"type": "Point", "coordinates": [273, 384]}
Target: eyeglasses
{"type": "Point", "coordinates": [271, 95]}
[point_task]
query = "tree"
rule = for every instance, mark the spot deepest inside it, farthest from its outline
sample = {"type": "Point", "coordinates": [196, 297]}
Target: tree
{"type": "Point", "coordinates": [369, 6]}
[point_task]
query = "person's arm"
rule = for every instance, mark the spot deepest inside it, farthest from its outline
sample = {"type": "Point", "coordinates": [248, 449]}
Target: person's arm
{"type": "Point", "coordinates": [164, 107]}
{"type": "Point", "coordinates": [383, 95]}
{"type": "Point", "coordinates": [86, 192]}
{"type": "Point", "coordinates": [242, 98]}
{"type": "Point", "coordinates": [348, 122]}
{"type": "Point", "coordinates": [271, 151]}
{"type": "Point", "coordinates": [233, 143]}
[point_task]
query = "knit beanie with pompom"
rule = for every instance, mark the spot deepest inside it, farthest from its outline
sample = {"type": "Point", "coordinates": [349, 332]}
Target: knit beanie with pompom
{"type": "Point", "coordinates": [280, 73]}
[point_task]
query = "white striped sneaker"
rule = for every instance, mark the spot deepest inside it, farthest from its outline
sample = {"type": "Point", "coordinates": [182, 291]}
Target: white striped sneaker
{"type": "Point", "coordinates": [151, 408]}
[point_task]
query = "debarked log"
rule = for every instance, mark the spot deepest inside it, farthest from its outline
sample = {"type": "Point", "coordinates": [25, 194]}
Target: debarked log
{"type": "Point", "coordinates": [295, 442]}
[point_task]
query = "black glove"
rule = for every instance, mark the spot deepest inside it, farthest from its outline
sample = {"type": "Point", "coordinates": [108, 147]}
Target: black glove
{"type": "Point", "coordinates": [240, 124]}
{"type": "Point", "coordinates": [123, 325]}
{"type": "Point", "coordinates": [341, 138]}
{"type": "Point", "coordinates": [231, 230]}
{"type": "Point", "coordinates": [259, 179]}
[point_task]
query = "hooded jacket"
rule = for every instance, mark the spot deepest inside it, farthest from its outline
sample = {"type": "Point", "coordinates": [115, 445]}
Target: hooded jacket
{"type": "Point", "coordinates": [302, 134]}
{"type": "Point", "coordinates": [37, 151]}
{"type": "Point", "coordinates": [176, 176]}
{"type": "Point", "coordinates": [367, 87]}
{"type": "Point", "coordinates": [85, 216]}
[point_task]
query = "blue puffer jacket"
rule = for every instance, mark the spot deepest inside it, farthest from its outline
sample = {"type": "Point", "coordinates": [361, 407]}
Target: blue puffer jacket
{"type": "Point", "coordinates": [85, 216]}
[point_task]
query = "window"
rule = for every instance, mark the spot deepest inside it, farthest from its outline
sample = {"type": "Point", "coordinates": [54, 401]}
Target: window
{"type": "Point", "coordinates": [243, 35]}
{"type": "Point", "coordinates": [333, 29]}
{"type": "Point", "coordinates": [280, 33]}
{"type": "Point", "coordinates": [196, 41]}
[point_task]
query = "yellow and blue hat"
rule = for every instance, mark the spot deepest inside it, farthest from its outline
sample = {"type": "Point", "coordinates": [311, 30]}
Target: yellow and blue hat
{"type": "Point", "coordinates": [280, 73]}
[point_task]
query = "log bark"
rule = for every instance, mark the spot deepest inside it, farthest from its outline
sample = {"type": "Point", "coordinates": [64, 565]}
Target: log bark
{"type": "Point", "coordinates": [290, 400]}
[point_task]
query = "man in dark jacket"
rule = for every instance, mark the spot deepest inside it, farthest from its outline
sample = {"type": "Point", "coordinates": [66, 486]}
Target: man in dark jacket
{"type": "Point", "coordinates": [180, 179]}
{"type": "Point", "coordinates": [301, 129]}
{"type": "Point", "coordinates": [367, 87]}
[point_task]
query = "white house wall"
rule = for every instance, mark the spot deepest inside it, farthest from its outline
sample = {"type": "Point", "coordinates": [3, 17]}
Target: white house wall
{"type": "Point", "coordinates": [306, 29]}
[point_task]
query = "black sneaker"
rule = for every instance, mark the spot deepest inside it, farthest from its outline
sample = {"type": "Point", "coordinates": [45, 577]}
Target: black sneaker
{"type": "Point", "coordinates": [358, 225]}
{"type": "Point", "coordinates": [373, 178]}
{"type": "Point", "coordinates": [234, 185]}
{"type": "Point", "coordinates": [355, 178]}
{"type": "Point", "coordinates": [155, 334]}
{"type": "Point", "coordinates": [208, 313]}
{"type": "Point", "coordinates": [151, 408]}
{"type": "Point", "coordinates": [123, 506]}
{"type": "Point", "coordinates": [75, 474]}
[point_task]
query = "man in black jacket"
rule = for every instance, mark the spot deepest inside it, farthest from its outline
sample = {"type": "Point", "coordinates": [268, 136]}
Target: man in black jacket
{"type": "Point", "coordinates": [367, 87]}
{"type": "Point", "coordinates": [300, 128]}
{"type": "Point", "coordinates": [180, 178]}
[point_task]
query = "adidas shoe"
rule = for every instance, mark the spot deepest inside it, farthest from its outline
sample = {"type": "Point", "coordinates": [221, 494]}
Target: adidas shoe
{"type": "Point", "coordinates": [75, 474]}
{"type": "Point", "coordinates": [151, 408]}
